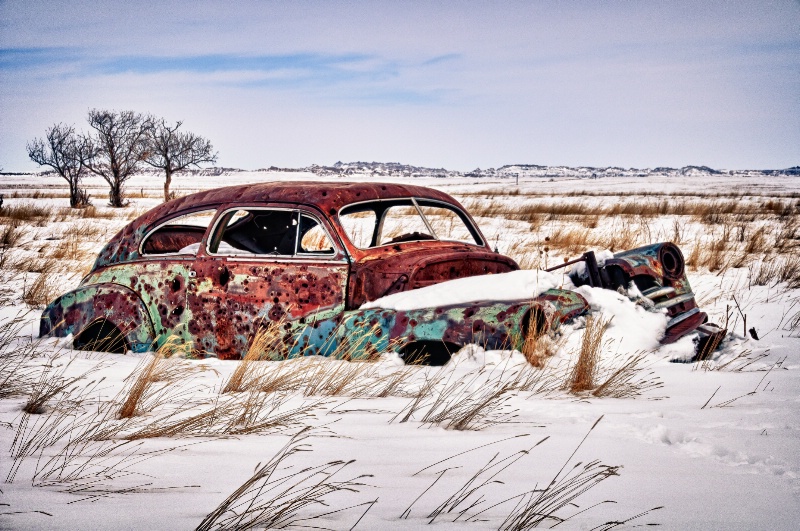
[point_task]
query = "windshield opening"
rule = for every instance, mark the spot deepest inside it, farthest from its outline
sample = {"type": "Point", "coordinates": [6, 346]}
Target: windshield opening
{"type": "Point", "coordinates": [386, 222]}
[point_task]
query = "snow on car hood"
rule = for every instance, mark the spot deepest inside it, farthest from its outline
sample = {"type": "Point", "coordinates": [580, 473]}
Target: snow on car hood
{"type": "Point", "coordinates": [513, 286]}
{"type": "Point", "coordinates": [632, 328]}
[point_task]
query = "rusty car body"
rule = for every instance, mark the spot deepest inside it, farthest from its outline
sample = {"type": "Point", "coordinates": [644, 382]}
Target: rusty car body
{"type": "Point", "coordinates": [212, 267]}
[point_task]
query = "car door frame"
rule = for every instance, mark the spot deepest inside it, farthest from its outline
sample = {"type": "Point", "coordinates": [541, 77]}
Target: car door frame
{"type": "Point", "coordinates": [231, 295]}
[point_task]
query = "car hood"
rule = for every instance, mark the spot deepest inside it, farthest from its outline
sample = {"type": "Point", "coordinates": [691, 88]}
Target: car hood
{"type": "Point", "coordinates": [402, 267]}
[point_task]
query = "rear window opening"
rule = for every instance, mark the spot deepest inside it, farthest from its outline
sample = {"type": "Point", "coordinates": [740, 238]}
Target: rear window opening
{"type": "Point", "coordinates": [179, 235]}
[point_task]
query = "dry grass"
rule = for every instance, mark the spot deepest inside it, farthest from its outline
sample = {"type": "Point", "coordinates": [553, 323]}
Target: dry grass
{"type": "Point", "coordinates": [465, 405]}
{"type": "Point", "coordinates": [716, 230]}
{"type": "Point", "coordinates": [239, 414]}
{"type": "Point", "coordinates": [703, 211]}
{"type": "Point", "coordinates": [582, 377]}
{"type": "Point", "coordinates": [336, 378]}
{"type": "Point", "coordinates": [53, 383]}
{"type": "Point", "coordinates": [42, 290]}
{"type": "Point", "coordinates": [67, 248]}
{"type": "Point", "coordinates": [275, 495]}
{"type": "Point", "coordinates": [541, 505]}
{"type": "Point", "coordinates": [11, 235]}
{"type": "Point", "coordinates": [267, 341]}
{"type": "Point", "coordinates": [17, 376]}
{"type": "Point", "coordinates": [776, 268]}
{"type": "Point", "coordinates": [92, 212]}
{"type": "Point", "coordinates": [156, 369]}
{"type": "Point", "coordinates": [757, 242]}
{"type": "Point", "coordinates": [629, 379]}
{"type": "Point", "coordinates": [27, 212]}
{"type": "Point", "coordinates": [474, 401]}
{"type": "Point", "coordinates": [87, 443]}
{"type": "Point", "coordinates": [539, 343]}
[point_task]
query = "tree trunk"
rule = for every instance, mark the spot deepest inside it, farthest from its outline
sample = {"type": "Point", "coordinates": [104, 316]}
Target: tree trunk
{"type": "Point", "coordinates": [73, 194]}
{"type": "Point", "coordinates": [115, 198]}
{"type": "Point", "coordinates": [167, 182]}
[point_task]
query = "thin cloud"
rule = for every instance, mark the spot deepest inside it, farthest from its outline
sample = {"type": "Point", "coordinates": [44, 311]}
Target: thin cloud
{"type": "Point", "coordinates": [27, 58]}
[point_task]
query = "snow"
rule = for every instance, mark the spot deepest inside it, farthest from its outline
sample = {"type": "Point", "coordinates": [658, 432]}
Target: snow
{"type": "Point", "coordinates": [717, 446]}
{"type": "Point", "coordinates": [513, 286]}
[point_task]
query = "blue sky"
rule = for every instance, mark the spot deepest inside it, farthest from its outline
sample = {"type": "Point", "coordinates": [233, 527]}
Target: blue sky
{"type": "Point", "coordinates": [446, 84]}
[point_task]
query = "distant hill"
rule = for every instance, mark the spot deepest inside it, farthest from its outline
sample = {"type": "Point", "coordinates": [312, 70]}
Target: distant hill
{"type": "Point", "coordinates": [396, 169]}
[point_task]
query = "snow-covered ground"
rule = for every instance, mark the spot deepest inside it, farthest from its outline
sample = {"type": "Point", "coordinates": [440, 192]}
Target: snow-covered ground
{"type": "Point", "coordinates": [711, 445]}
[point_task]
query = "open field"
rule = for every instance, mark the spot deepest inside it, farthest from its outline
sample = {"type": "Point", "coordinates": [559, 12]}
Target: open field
{"type": "Point", "coordinates": [486, 442]}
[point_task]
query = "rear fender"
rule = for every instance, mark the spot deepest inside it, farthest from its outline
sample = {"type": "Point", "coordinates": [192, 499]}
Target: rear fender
{"type": "Point", "coordinates": [72, 312]}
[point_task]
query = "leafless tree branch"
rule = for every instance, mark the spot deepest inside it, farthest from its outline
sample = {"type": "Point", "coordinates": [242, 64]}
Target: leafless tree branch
{"type": "Point", "coordinates": [173, 151]}
{"type": "Point", "coordinates": [64, 151]}
{"type": "Point", "coordinates": [118, 148]}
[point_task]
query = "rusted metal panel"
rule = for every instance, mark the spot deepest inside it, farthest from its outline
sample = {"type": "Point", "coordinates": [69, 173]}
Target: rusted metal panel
{"type": "Point", "coordinates": [662, 265]}
{"type": "Point", "coordinates": [228, 299]}
{"type": "Point", "coordinates": [405, 266]}
{"type": "Point", "coordinates": [491, 324]}
{"type": "Point", "coordinates": [75, 310]}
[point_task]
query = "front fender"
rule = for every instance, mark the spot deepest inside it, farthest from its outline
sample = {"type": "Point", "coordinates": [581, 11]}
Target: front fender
{"type": "Point", "coordinates": [73, 311]}
{"type": "Point", "coordinates": [490, 324]}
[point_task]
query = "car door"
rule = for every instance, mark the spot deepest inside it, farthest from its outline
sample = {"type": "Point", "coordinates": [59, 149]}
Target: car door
{"type": "Point", "coordinates": [161, 276]}
{"type": "Point", "coordinates": [262, 264]}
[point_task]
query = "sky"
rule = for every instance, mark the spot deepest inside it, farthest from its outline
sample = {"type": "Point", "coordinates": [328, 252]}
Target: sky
{"type": "Point", "coordinates": [459, 85]}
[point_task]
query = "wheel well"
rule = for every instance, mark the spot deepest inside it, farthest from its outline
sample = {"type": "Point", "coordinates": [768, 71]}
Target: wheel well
{"type": "Point", "coordinates": [427, 352]}
{"type": "Point", "coordinates": [536, 317]}
{"type": "Point", "coordinates": [101, 335]}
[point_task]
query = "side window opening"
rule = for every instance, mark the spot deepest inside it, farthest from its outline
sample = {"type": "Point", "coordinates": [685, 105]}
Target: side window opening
{"type": "Point", "coordinates": [313, 238]}
{"type": "Point", "coordinates": [179, 235]}
{"type": "Point", "coordinates": [269, 232]}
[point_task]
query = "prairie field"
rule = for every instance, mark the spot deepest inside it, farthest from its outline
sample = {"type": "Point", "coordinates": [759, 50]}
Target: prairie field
{"type": "Point", "coordinates": [606, 429]}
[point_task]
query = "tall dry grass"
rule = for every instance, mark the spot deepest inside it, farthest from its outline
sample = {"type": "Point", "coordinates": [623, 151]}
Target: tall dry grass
{"type": "Point", "coordinates": [266, 342]}
{"type": "Point", "coordinates": [582, 377]}
{"type": "Point", "coordinates": [551, 504]}
{"type": "Point", "coordinates": [279, 496]}
{"type": "Point", "coordinates": [630, 378]}
{"type": "Point", "coordinates": [152, 371]}
{"type": "Point", "coordinates": [17, 373]}
{"type": "Point", "coordinates": [42, 290]}
{"type": "Point", "coordinates": [27, 212]}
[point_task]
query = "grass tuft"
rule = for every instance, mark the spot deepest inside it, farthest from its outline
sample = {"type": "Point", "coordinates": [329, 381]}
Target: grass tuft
{"type": "Point", "coordinates": [582, 377]}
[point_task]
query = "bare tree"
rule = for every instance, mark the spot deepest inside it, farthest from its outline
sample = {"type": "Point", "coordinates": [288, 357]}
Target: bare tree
{"type": "Point", "coordinates": [118, 148]}
{"type": "Point", "coordinates": [64, 151]}
{"type": "Point", "coordinates": [173, 151]}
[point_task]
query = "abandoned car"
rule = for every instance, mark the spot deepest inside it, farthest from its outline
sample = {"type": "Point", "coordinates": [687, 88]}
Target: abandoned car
{"type": "Point", "coordinates": [213, 267]}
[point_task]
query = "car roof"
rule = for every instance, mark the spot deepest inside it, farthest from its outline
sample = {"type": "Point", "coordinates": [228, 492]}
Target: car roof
{"type": "Point", "coordinates": [328, 196]}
